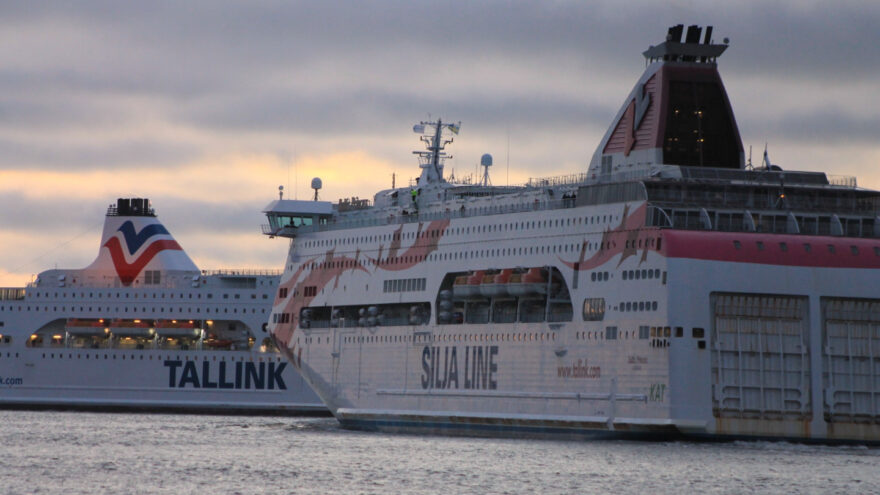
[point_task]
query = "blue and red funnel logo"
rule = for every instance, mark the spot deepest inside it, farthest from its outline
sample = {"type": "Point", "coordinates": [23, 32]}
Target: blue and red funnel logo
{"type": "Point", "coordinates": [134, 241]}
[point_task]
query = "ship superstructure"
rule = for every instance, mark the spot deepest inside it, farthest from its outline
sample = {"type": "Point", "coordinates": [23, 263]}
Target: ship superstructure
{"type": "Point", "coordinates": [143, 328]}
{"type": "Point", "coordinates": [670, 289]}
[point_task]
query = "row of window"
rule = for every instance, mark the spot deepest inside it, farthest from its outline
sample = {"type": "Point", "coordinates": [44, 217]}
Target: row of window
{"type": "Point", "coordinates": [100, 295]}
{"type": "Point", "coordinates": [404, 285]}
{"type": "Point", "coordinates": [638, 306]}
{"type": "Point", "coordinates": [645, 332]}
{"type": "Point", "coordinates": [456, 255]}
{"type": "Point", "coordinates": [643, 274]}
{"type": "Point", "coordinates": [150, 357]}
{"type": "Point", "coordinates": [427, 338]}
{"type": "Point", "coordinates": [807, 247]}
{"type": "Point", "coordinates": [280, 317]}
{"type": "Point", "coordinates": [198, 309]}
{"type": "Point", "coordinates": [602, 220]}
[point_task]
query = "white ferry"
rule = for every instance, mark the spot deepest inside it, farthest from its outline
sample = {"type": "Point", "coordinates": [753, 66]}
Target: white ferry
{"type": "Point", "coordinates": [672, 289]}
{"type": "Point", "coordinates": [142, 328]}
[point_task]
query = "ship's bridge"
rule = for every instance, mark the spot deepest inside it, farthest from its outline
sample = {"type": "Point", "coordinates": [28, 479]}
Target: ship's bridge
{"type": "Point", "coordinates": [287, 215]}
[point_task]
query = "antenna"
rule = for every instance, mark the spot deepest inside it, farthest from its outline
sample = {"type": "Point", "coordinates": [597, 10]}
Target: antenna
{"type": "Point", "coordinates": [316, 185]}
{"type": "Point", "coordinates": [280, 192]}
{"type": "Point", "coordinates": [508, 155]}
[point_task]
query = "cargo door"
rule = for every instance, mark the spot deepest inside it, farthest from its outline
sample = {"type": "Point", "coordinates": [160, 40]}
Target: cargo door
{"type": "Point", "coordinates": [760, 356]}
{"type": "Point", "coordinates": [851, 359]}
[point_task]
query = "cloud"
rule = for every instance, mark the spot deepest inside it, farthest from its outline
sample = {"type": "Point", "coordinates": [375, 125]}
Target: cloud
{"type": "Point", "coordinates": [206, 107]}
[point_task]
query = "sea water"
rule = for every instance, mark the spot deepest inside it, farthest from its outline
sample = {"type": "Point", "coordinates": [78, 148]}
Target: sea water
{"type": "Point", "coordinates": [78, 452]}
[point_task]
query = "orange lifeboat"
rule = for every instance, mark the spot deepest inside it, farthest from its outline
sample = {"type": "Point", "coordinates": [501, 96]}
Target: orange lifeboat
{"type": "Point", "coordinates": [471, 285]}
{"type": "Point", "coordinates": [131, 328]}
{"type": "Point", "coordinates": [496, 285]}
{"type": "Point", "coordinates": [85, 328]}
{"type": "Point", "coordinates": [178, 329]}
{"type": "Point", "coordinates": [531, 282]}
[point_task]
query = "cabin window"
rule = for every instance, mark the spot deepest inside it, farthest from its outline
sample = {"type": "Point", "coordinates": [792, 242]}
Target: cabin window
{"type": "Point", "coordinates": [610, 333]}
{"type": "Point", "coordinates": [594, 309]}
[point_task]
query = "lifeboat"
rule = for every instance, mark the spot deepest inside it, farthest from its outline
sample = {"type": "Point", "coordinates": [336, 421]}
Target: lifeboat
{"type": "Point", "coordinates": [496, 285]}
{"type": "Point", "coordinates": [178, 329]}
{"type": "Point", "coordinates": [469, 285]}
{"type": "Point", "coordinates": [131, 328]}
{"type": "Point", "coordinates": [532, 282]}
{"type": "Point", "coordinates": [85, 328]}
{"type": "Point", "coordinates": [219, 343]}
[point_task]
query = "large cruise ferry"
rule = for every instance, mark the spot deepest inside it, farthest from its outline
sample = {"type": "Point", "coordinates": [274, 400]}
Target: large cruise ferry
{"type": "Point", "coordinates": [143, 328]}
{"type": "Point", "coordinates": [672, 289]}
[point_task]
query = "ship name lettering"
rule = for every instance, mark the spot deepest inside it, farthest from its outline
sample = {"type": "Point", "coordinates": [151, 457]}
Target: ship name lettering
{"type": "Point", "coordinates": [440, 368]}
{"type": "Point", "coordinates": [244, 375]}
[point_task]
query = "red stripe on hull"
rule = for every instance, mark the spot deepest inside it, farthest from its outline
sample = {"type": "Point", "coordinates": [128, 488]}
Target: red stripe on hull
{"type": "Point", "coordinates": [720, 246]}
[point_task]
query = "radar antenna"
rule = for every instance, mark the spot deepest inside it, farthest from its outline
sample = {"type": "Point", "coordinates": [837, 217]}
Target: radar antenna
{"type": "Point", "coordinates": [486, 162]}
{"type": "Point", "coordinates": [316, 185]}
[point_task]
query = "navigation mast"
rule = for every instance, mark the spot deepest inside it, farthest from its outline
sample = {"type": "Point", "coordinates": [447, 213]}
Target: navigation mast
{"type": "Point", "coordinates": [431, 161]}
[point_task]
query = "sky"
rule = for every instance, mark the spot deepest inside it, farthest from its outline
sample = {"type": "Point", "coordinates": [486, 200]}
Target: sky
{"type": "Point", "coordinates": [206, 107]}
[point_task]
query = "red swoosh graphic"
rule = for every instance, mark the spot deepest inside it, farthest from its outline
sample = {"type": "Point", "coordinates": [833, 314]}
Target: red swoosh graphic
{"type": "Point", "coordinates": [614, 241]}
{"type": "Point", "coordinates": [128, 272]}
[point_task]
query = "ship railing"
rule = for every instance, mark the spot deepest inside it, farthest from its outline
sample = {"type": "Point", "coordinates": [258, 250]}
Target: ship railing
{"type": "Point", "coordinates": [560, 180]}
{"type": "Point", "coordinates": [847, 181]}
{"type": "Point", "coordinates": [248, 272]}
{"type": "Point", "coordinates": [627, 176]}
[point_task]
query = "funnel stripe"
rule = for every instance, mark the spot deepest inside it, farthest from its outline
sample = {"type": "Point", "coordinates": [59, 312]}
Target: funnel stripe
{"type": "Point", "coordinates": [134, 240]}
{"type": "Point", "coordinates": [129, 271]}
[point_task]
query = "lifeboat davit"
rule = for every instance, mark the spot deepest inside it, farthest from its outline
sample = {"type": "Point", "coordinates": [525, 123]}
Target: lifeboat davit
{"type": "Point", "coordinates": [469, 285]}
{"type": "Point", "coordinates": [496, 285]}
{"type": "Point", "coordinates": [85, 328]}
{"type": "Point", "coordinates": [532, 282]}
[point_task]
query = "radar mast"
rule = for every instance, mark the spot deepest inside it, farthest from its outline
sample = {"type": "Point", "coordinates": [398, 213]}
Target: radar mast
{"type": "Point", "coordinates": [431, 161]}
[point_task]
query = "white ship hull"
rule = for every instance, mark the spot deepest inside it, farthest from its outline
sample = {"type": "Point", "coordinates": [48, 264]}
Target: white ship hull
{"type": "Point", "coordinates": [570, 378]}
{"type": "Point", "coordinates": [242, 382]}
{"type": "Point", "coordinates": [142, 328]}
{"type": "Point", "coordinates": [668, 291]}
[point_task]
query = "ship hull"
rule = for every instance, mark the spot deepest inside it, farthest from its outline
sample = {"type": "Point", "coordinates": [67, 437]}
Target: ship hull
{"type": "Point", "coordinates": [707, 346]}
{"type": "Point", "coordinates": [153, 380]}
